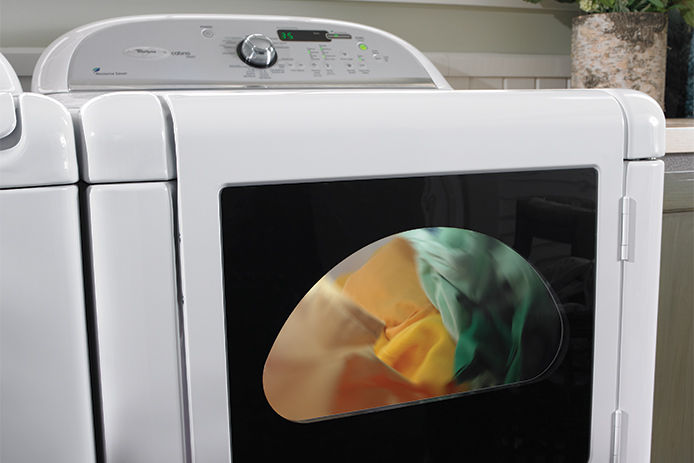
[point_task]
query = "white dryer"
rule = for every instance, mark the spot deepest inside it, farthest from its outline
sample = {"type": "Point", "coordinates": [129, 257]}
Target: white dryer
{"type": "Point", "coordinates": [45, 398]}
{"type": "Point", "coordinates": [304, 245]}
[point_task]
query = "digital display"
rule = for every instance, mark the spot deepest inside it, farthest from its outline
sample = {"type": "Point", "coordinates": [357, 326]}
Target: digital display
{"type": "Point", "coordinates": [293, 35]}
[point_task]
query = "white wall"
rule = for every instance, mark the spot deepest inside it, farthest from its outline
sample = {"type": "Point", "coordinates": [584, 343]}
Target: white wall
{"type": "Point", "coordinates": [429, 27]}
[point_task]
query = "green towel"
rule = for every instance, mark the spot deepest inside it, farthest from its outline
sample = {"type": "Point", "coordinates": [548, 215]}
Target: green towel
{"type": "Point", "coordinates": [500, 313]}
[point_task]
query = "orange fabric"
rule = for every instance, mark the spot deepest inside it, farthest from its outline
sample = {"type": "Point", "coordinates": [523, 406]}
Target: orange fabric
{"type": "Point", "coordinates": [387, 286]}
{"type": "Point", "coordinates": [369, 339]}
{"type": "Point", "coordinates": [415, 341]}
{"type": "Point", "coordinates": [363, 386]}
{"type": "Point", "coordinates": [323, 362]}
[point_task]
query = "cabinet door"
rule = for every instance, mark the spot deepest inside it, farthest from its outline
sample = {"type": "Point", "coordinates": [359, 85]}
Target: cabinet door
{"type": "Point", "coordinates": [673, 408]}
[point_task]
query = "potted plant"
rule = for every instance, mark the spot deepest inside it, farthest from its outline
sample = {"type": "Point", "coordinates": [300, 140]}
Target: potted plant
{"type": "Point", "coordinates": [623, 43]}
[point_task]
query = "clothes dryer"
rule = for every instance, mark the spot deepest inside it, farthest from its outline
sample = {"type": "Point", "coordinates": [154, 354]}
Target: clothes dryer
{"type": "Point", "coordinates": [304, 245]}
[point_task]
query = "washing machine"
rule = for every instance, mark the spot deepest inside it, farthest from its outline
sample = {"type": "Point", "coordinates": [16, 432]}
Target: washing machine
{"type": "Point", "coordinates": [45, 394]}
{"type": "Point", "coordinates": [302, 244]}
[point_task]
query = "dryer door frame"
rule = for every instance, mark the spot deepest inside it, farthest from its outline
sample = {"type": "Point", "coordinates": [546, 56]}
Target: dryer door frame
{"type": "Point", "coordinates": [225, 139]}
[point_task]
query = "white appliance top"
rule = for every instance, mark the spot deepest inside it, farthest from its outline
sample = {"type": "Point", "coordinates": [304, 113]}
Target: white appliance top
{"type": "Point", "coordinates": [9, 86]}
{"type": "Point", "coordinates": [163, 52]}
{"type": "Point", "coordinates": [9, 82]}
{"type": "Point", "coordinates": [37, 143]}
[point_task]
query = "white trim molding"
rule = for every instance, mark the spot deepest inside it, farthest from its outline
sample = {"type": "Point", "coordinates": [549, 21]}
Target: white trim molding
{"type": "Point", "coordinates": [22, 59]}
{"type": "Point", "coordinates": [503, 70]}
{"type": "Point", "coordinates": [543, 5]}
{"type": "Point", "coordinates": [500, 65]}
{"type": "Point", "coordinates": [679, 135]}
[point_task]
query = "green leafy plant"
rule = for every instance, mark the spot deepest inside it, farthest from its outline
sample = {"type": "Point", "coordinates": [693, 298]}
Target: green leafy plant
{"type": "Point", "coordinates": [686, 7]}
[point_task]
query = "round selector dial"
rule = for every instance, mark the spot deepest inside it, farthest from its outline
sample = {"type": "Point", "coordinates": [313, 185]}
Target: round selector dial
{"type": "Point", "coordinates": [257, 51]}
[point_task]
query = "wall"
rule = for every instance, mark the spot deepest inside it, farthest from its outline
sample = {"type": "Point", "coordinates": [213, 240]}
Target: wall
{"type": "Point", "coordinates": [429, 27]}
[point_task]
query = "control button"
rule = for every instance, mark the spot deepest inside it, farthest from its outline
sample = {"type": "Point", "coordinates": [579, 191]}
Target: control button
{"type": "Point", "coordinates": [258, 51]}
{"type": "Point", "coordinates": [327, 65]}
{"type": "Point", "coordinates": [377, 57]}
{"type": "Point", "coordinates": [362, 46]}
{"type": "Point", "coordinates": [207, 33]}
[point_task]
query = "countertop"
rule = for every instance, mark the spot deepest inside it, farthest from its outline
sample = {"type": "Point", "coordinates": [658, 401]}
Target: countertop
{"type": "Point", "coordinates": [679, 136]}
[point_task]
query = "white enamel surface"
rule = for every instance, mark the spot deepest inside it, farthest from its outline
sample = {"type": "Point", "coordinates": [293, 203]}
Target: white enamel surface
{"type": "Point", "coordinates": [9, 87]}
{"type": "Point", "coordinates": [45, 153]}
{"type": "Point", "coordinates": [45, 398]}
{"type": "Point", "coordinates": [9, 82]}
{"type": "Point", "coordinates": [646, 134]}
{"type": "Point", "coordinates": [379, 134]}
{"type": "Point", "coordinates": [644, 184]}
{"type": "Point", "coordinates": [8, 116]}
{"type": "Point", "coordinates": [125, 139]}
{"type": "Point", "coordinates": [54, 72]}
{"type": "Point", "coordinates": [133, 265]}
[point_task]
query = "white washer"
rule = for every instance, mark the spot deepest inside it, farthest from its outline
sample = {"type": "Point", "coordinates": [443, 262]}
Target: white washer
{"type": "Point", "coordinates": [233, 160]}
{"type": "Point", "coordinates": [45, 394]}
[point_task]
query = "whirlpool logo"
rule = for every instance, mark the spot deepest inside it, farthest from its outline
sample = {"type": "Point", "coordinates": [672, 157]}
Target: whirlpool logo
{"type": "Point", "coordinates": [147, 53]}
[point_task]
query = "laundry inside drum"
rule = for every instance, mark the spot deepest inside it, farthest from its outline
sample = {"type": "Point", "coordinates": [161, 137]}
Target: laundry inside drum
{"type": "Point", "coordinates": [425, 314]}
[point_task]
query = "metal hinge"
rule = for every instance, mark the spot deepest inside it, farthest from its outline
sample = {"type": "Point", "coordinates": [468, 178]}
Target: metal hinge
{"type": "Point", "coordinates": [627, 215]}
{"type": "Point", "coordinates": [618, 427]}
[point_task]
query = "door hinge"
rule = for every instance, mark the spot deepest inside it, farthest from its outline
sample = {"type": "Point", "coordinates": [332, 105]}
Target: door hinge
{"type": "Point", "coordinates": [619, 420]}
{"type": "Point", "coordinates": [627, 216]}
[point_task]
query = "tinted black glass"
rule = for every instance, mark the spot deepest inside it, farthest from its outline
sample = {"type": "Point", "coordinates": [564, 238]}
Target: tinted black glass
{"type": "Point", "coordinates": [279, 240]}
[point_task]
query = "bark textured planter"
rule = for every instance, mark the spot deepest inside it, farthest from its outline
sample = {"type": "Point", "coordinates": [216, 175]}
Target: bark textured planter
{"type": "Point", "coordinates": [620, 50]}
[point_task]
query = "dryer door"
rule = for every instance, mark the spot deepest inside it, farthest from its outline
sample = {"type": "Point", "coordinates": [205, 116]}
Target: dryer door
{"type": "Point", "coordinates": [389, 295]}
{"type": "Point", "coordinates": [400, 275]}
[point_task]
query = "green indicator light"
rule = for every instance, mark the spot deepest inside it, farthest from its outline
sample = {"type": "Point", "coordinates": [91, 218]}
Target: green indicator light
{"type": "Point", "coordinates": [363, 46]}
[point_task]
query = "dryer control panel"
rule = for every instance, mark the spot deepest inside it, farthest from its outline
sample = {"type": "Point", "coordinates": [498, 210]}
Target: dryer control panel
{"type": "Point", "coordinates": [217, 51]}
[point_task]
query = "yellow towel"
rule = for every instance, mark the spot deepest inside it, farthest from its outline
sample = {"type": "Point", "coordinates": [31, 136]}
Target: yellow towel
{"type": "Point", "coordinates": [415, 341]}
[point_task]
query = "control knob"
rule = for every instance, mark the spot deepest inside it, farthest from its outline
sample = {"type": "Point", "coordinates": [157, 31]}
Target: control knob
{"type": "Point", "coordinates": [257, 50]}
